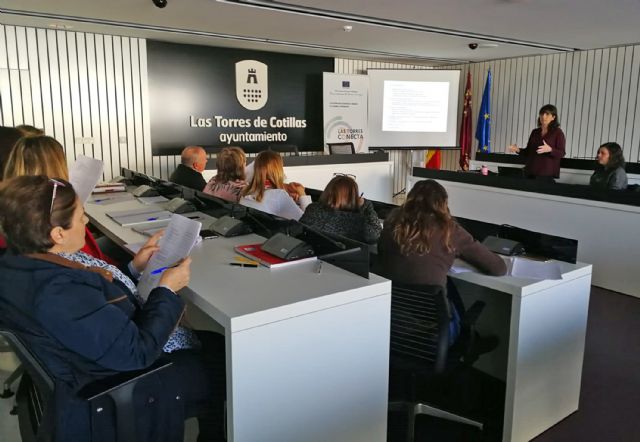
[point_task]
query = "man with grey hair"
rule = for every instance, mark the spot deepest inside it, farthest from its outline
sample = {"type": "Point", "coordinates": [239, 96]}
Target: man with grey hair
{"type": "Point", "coordinates": [189, 171]}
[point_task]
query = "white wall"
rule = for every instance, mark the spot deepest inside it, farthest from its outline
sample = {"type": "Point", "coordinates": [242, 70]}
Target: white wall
{"type": "Point", "coordinates": [596, 92]}
{"type": "Point", "coordinates": [78, 85]}
{"type": "Point", "coordinates": [86, 90]}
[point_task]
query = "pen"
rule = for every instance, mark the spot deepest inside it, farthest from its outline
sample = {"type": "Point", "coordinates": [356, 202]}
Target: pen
{"type": "Point", "coordinates": [319, 267]}
{"type": "Point", "coordinates": [242, 264]}
{"type": "Point", "coordinates": [153, 218]}
{"type": "Point", "coordinates": [162, 269]}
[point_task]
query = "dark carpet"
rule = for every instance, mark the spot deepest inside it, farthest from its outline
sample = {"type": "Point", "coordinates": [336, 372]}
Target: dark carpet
{"type": "Point", "coordinates": [610, 394]}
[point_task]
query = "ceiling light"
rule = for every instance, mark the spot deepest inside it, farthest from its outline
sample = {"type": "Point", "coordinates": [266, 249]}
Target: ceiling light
{"type": "Point", "coordinates": [394, 24]}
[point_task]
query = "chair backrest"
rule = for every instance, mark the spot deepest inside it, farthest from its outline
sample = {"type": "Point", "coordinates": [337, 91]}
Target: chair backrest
{"type": "Point", "coordinates": [341, 148]}
{"type": "Point", "coordinates": [35, 393]}
{"type": "Point", "coordinates": [285, 148]}
{"type": "Point", "coordinates": [420, 317]}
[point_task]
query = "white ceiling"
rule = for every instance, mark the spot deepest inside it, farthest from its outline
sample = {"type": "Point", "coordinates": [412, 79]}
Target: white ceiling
{"type": "Point", "coordinates": [582, 24]}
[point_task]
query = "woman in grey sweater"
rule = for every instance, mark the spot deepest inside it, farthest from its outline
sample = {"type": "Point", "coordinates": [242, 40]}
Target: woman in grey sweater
{"type": "Point", "coordinates": [609, 173]}
{"type": "Point", "coordinates": [342, 211]}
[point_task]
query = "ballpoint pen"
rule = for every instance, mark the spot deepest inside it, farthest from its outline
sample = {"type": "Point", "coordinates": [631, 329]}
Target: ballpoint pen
{"type": "Point", "coordinates": [162, 269]}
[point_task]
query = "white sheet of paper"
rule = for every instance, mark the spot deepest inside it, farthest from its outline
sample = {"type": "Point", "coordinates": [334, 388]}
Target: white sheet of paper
{"type": "Point", "coordinates": [148, 200]}
{"type": "Point", "coordinates": [460, 266]}
{"type": "Point", "coordinates": [84, 174]}
{"type": "Point", "coordinates": [528, 268]}
{"type": "Point", "coordinates": [179, 238]}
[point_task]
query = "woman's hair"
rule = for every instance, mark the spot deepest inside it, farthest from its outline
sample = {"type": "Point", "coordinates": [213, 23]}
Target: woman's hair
{"type": "Point", "coordinates": [424, 212]}
{"type": "Point", "coordinates": [27, 227]}
{"type": "Point", "coordinates": [230, 162]}
{"type": "Point", "coordinates": [341, 194]}
{"type": "Point", "coordinates": [39, 155]}
{"type": "Point", "coordinates": [549, 109]}
{"type": "Point", "coordinates": [28, 130]}
{"type": "Point", "coordinates": [8, 138]}
{"type": "Point", "coordinates": [616, 157]}
{"type": "Point", "coordinates": [267, 168]}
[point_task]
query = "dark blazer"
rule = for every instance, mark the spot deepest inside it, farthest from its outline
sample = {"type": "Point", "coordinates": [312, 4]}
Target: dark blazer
{"type": "Point", "coordinates": [186, 176]}
{"type": "Point", "coordinates": [544, 164]}
{"type": "Point", "coordinates": [83, 327]}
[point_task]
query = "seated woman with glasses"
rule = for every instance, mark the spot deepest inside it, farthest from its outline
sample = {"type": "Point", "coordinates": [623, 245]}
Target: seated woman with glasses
{"type": "Point", "coordinates": [267, 191]}
{"type": "Point", "coordinates": [342, 211]}
{"type": "Point", "coordinates": [43, 155]}
{"type": "Point", "coordinates": [609, 173]}
{"type": "Point", "coordinates": [420, 240]}
{"type": "Point", "coordinates": [84, 323]}
{"type": "Point", "coordinates": [230, 177]}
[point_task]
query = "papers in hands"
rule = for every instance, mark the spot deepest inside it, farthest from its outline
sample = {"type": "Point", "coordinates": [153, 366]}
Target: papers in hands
{"type": "Point", "coordinates": [84, 174]}
{"type": "Point", "coordinates": [179, 238]}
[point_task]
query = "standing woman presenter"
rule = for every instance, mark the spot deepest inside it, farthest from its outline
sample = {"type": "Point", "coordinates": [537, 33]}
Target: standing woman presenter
{"type": "Point", "coordinates": [545, 148]}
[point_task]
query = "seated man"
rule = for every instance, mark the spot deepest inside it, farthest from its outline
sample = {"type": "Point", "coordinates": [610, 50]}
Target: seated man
{"type": "Point", "coordinates": [189, 171]}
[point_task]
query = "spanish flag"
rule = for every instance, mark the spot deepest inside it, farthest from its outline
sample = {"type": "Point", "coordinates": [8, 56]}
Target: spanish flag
{"type": "Point", "coordinates": [432, 159]}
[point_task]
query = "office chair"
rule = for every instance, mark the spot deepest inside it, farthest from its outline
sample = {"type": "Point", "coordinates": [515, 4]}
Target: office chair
{"type": "Point", "coordinates": [420, 318]}
{"type": "Point", "coordinates": [13, 377]}
{"type": "Point", "coordinates": [36, 392]}
{"type": "Point", "coordinates": [285, 148]}
{"type": "Point", "coordinates": [341, 148]}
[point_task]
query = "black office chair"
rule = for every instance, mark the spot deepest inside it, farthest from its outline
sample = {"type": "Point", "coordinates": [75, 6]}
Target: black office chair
{"type": "Point", "coordinates": [36, 392]}
{"type": "Point", "coordinates": [341, 148]}
{"type": "Point", "coordinates": [420, 318]}
{"type": "Point", "coordinates": [285, 148]}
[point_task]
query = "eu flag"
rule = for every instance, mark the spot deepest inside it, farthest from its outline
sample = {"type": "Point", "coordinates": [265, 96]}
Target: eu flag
{"type": "Point", "coordinates": [483, 129]}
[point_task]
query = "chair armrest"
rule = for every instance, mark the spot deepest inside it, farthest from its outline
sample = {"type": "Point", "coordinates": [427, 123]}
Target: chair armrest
{"type": "Point", "coordinates": [109, 384]}
{"type": "Point", "coordinates": [470, 316]}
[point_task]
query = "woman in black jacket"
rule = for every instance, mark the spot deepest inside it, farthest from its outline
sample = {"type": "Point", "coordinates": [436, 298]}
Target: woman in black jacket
{"type": "Point", "coordinates": [83, 324]}
{"type": "Point", "coordinates": [342, 211]}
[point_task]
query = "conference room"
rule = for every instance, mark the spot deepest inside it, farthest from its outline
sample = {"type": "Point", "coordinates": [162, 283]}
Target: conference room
{"type": "Point", "coordinates": [337, 221]}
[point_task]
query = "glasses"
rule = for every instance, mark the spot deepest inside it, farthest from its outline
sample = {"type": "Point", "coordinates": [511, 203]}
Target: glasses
{"type": "Point", "coordinates": [350, 175]}
{"type": "Point", "coordinates": [55, 183]}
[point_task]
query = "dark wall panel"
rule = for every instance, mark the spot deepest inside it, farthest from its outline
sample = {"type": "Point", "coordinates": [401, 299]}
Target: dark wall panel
{"type": "Point", "coordinates": [188, 83]}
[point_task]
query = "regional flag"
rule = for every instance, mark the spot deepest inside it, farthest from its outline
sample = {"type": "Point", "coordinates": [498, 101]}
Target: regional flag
{"type": "Point", "coordinates": [465, 127]}
{"type": "Point", "coordinates": [483, 129]}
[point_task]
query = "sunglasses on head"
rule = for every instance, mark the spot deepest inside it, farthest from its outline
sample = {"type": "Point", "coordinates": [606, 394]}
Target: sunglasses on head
{"type": "Point", "coordinates": [55, 183]}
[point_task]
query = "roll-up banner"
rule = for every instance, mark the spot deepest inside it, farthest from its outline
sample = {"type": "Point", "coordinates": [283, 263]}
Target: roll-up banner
{"type": "Point", "coordinates": [345, 110]}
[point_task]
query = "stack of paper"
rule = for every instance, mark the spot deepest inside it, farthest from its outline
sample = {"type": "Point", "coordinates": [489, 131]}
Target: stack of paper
{"type": "Point", "coordinates": [109, 187]}
{"type": "Point", "coordinates": [529, 268]}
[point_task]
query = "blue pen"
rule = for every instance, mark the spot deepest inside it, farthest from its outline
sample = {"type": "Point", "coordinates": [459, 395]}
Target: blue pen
{"type": "Point", "coordinates": [152, 218]}
{"type": "Point", "coordinates": [162, 269]}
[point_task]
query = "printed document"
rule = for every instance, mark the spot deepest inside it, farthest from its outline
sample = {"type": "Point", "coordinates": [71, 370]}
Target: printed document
{"type": "Point", "coordinates": [179, 238]}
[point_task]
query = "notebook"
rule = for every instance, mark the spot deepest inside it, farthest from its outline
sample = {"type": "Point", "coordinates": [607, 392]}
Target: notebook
{"type": "Point", "coordinates": [255, 253]}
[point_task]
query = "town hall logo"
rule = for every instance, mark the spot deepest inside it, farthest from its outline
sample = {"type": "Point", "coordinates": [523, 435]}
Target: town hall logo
{"type": "Point", "coordinates": [252, 84]}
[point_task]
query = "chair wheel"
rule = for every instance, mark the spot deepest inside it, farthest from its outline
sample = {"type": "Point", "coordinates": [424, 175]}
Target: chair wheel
{"type": "Point", "coordinates": [7, 393]}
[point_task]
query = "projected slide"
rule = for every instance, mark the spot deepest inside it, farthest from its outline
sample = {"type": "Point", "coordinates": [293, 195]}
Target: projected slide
{"type": "Point", "coordinates": [415, 106]}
